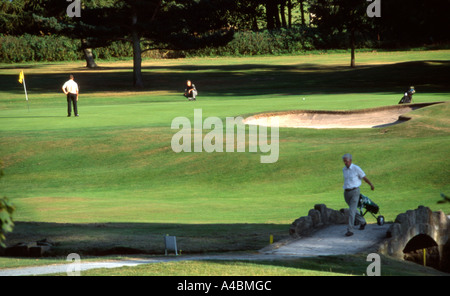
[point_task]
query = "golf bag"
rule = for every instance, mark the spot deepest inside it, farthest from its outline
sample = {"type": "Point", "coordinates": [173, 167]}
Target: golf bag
{"type": "Point", "coordinates": [407, 98]}
{"type": "Point", "coordinates": [371, 207]}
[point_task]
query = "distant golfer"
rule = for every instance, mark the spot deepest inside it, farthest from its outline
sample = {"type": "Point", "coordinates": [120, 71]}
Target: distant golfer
{"type": "Point", "coordinates": [407, 97]}
{"type": "Point", "coordinates": [70, 88]}
{"type": "Point", "coordinates": [190, 92]}
{"type": "Point", "coordinates": [353, 175]}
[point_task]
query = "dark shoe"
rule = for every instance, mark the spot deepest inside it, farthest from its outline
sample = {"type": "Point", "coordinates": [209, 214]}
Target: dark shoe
{"type": "Point", "coordinates": [362, 226]}
{"type": "Point", "coordinates": [349, 233]}
{"type": "Point", "coordinates": [68, 115]}
{"type": "Point", "coordinates": [77, 115]}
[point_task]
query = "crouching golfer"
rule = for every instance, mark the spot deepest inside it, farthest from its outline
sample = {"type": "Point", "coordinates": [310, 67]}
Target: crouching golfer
{"type": "Point", "coordinates": [70, 88]}
{"type": "Point", "coordinates": [352, 180]}
{"type": "Point", "coordinates": [190, 92]}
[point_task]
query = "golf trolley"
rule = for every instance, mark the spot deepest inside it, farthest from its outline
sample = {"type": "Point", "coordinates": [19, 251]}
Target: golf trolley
{"type": "Point", "coordinates": [407, 98]}
{"type": "Point", "coordinates": [371, 207]}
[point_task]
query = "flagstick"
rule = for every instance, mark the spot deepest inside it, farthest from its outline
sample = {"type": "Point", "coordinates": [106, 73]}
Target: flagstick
{"type": "Point", "coordinates": [26, 95]}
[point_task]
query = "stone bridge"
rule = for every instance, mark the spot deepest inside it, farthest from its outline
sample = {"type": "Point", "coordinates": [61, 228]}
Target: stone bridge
{"type": "Point", "coordinates": [411, 233]}
{"type": "Point", "coordinates": [416, 230]}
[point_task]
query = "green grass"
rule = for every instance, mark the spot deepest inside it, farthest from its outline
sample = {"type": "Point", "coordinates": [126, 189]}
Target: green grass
{"type": "Point", "coordinates": [354, 265]}
{"type": "Point", "coordinates": [114, 163]}
{"type": "Point", "coordinates": [351, 265]}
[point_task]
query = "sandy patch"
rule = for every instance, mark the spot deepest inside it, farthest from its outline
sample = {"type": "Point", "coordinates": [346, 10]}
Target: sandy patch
{"type": "Point", "coordinates": [364, 118]}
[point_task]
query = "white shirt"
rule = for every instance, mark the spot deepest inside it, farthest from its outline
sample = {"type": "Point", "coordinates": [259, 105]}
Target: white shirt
{"type": "Point", "coordinates": [71, 86]}
{"type": "Point", "coordinates": [352, 176]}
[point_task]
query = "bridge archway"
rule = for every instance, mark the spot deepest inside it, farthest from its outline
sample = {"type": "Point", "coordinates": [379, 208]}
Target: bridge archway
{"type": "Point", "coordinates": [422, 249]}
{"type": "Point", "coordinates": [445, 257]}
{"type": "Point", "coordinates": [417, 229]}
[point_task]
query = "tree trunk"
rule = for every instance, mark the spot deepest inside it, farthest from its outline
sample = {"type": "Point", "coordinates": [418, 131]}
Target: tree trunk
{"type": "Point", "coordinates": [137, 61]}
{"type": "Point", "coordinates": [270, 14]}
{"type": "Point", "coordinates": [282, 14]}
{"type": "Point", "coordinates": [137, 58]}
{"type": "Point", "coordinates": [302, 12]}
{"type": "Point", "coordinates": [254, 24]}
{"type": "Point", "coordinates": [289, 5]}
{"type": "Point", "coordinates": [277, 16]}
{"type": "Point", "coordinates": [88, 56]}
{"type": "Point", "coordinates": [352, 44]}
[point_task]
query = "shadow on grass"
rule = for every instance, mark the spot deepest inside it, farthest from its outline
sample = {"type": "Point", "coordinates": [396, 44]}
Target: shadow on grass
{"type": "Point", "coordinates": [98, 239]}
{"type": "Point", "coordinates": [251, 79]}
{"type": "Point", "coordinates": [33, 116]}
{"type": "Point", "coordinates": [355, 264]}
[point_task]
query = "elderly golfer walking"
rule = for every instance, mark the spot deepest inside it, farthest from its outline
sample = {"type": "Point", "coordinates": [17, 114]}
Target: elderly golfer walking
{"type": "Point", "coordinates": [353, 175]}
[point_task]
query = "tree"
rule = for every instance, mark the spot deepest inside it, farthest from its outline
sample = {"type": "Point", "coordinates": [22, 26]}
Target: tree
{"type": "Point", "coordinates": [16, 17]}
{"type": "Point", "coordinates": [6, 222]}
{"type": "Point", "coordinates": [41, 17]}
{"type": "Point", "coordinates": [276, 13]}
{"type": "Point", "coordinates": [156, 24]}
{"type": "Point", "coordinates": [6, 211]}
{"type": "Point", "coordinates": [246, 14]}
{"type": "Point", "coordinates": [414, 22]}
{"type": "Point", "coordinates": [342, 16]}
{"type": "Point", "coordinates": [302, 11]}
{"type": "Point", "coordinates": [146, 24]}
{"type": "Point", "coordinates": [9, 16]}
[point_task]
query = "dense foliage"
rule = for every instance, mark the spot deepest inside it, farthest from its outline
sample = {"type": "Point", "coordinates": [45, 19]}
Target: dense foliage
{"type": "Point", "coordinates": [14, 49]}
{"type": "Point", "coordinates": [6, 212]}
{"type": "Point", "coordinates": [41, 31]}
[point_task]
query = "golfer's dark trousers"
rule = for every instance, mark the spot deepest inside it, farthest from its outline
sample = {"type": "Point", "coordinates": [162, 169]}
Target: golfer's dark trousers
{"type": "Point", "coordinates": [72, 99]}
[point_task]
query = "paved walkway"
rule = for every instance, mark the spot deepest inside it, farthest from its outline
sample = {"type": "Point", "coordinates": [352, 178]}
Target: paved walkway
{"type": "Point", "coordinates": [325, 242]}
{"type": "Point", "coordinates": [332, 241]}
{"type": "Point", "coordinates": [69, 268]}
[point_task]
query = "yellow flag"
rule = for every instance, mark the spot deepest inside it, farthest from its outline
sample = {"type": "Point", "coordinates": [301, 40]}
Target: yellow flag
{"type": "Point", "coordinates": [21, 77]}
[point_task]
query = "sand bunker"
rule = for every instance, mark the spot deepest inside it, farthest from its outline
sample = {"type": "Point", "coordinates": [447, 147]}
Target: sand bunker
{"type": "Point", "coordinates": [364, 118]}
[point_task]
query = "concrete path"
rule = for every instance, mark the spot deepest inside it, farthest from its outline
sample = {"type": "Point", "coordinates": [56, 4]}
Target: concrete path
{"type": "Point", "coordinates": [83, 266]}
{"type": "Point", "coordinates": [324, 242]}
{"type": "Point", "coordinates": [64, 268]}
{"type": "Point", "coordinates": [332, 241]}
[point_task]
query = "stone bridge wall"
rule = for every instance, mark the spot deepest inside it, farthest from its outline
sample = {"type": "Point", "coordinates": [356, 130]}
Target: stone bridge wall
{"type": "Point", "coordinates": [318, 217]}
{"type": "Point", "coordinates": [415, 222]}
{"type": "Point", "coordinates": [407, 225]}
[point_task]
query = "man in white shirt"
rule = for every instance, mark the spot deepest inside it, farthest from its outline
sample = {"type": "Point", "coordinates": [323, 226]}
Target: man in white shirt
{"type": "Point", "coordinates": [353, 175]}
{"type": "Point", "coordinates": [70, 88]}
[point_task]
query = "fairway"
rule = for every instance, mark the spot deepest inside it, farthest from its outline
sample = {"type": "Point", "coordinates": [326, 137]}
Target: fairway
{"type": "Point", "coordinates": [115, 162]}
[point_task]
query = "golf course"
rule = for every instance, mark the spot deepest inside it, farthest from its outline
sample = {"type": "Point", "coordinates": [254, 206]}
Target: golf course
{"type": "Point", "coordinates": [109, 183]}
